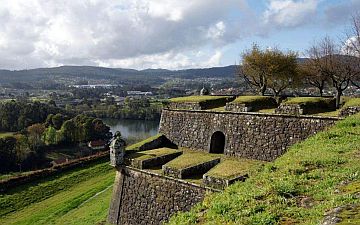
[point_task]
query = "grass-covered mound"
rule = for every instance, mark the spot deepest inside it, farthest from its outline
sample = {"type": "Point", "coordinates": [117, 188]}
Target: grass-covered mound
{"type": "Point", "coordinates": [138, 145]}
{"type": "Point", "coordinates": [297, 188]}
{"type": "Point", "coordinates": [191, 158]}
{"type": "Point", "coordinates": [229, 168]}
{"type": "Point", "coordinates": [199, 102]}
{"type": "Point", "coordinates": [310, 101]}
{"type": "Point", "coordinates": [197, 98]}
{"type": "Point", "coordinates": [308, 105]}
{"type": "Point", "coordinates": [251, 103]}
{"type": "Point", "coordinates": [352, 102]}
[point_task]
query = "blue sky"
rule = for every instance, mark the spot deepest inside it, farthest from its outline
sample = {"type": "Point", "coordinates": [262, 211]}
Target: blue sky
{"type": "Point", "coordinates": [172, 34]}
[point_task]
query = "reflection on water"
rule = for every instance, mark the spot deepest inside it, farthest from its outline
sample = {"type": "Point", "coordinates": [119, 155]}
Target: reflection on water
{"type": "Point", "coordinates": [133, 128]}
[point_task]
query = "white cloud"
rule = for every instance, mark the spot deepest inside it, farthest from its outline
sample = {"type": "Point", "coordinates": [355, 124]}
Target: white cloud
{"type": "Point", "coordinates": [169, 60]}
{"type": "Point", "coordinates": [36, 33]}
{"type": "Point", "coordinates": [290, 13]}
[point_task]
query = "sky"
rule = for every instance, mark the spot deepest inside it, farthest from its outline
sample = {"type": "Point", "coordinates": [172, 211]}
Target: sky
{"type": "Point", "coordinates": [169, 34]}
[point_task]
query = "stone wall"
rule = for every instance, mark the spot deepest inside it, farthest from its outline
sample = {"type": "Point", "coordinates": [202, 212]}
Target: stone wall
{"type": "Point", "coordinates": [141, 197]}
{"type": "Point", "coordinates": [348, 111]}
{"type": "Point", "coordinates": [249, 135]}
{"type": "Point", "coordinates": [184, 105]}
{"type": "Point", "coordinates": [291, 109]}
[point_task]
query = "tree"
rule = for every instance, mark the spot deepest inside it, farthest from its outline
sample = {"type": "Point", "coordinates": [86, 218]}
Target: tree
{"type": "Point", "coordinates": [7, 154]}
{"type": "Point", "coordinates": [352, 44]}
{"type": "Point", "coordinates": [270, 68]}
{"type": "Point", "coordinates": [281, 70]}
{"type": "Point", "coordinates": [50, 136]}
{"type": "Point", "coordinates": [253, 69]}
{"type": "Point", "coordinates": [57, 120]}
{"type": "Point", "coordinates": [312, 75]}
{"type": "Point", "coordinates": [68, 130]}
{"type": "Point", "coordinates": [35, 136]}
{"type": "Point", "coordinates": [337, 65]}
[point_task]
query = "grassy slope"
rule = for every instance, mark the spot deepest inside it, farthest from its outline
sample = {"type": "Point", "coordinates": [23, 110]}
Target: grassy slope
{"type": "Point", "coordinates": [6, 134]}
{"type": "Point", "coordinates": [197, 98]}
{"type": "Point", "coordinates": [297, 188]}
{"type": "Point", "coordinates": [80, 196]}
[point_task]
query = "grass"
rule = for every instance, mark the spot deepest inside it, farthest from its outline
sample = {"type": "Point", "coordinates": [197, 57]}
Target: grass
{"type": "Point", "coordinates": [191, 158]}
{"type": "Point", "coordinates": [137, 145]}
{"type": "Point", "coordinates": [229, 168]}
{"type": "Point", "coordinates": [80, 196]}
{"type": "Point", "coordinates": [152, 153]}
{"type": "Point", "coordinates": [306, 100]}
{"type": "Point", "coordinates": [316, 169]}
{"type": "Point", "coordinates": [352, 102]}
{"type": "Point", "coordinates": [251, 99]}
{"type": "Point", "coordinates": [6, 134]}
{"type": "Point", "coordinates": [197, 98]}
{"type": "Point", "coordinates": [329, 114]}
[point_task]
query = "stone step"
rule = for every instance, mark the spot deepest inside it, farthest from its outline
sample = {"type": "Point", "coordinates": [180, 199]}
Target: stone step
{"type": "Point", "coordinates": [153, 158]}
{"type": "Point", "coordinates": [190, 164]}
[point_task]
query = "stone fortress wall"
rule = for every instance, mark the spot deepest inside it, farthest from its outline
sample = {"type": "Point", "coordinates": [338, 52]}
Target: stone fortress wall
{"type": "Point", "coordinates": [250, 135]}
{"type": "Point", "coordinates": [141, 197]}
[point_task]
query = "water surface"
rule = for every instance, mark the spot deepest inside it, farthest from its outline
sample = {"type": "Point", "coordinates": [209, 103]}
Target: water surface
{"type": "Point", "coordinates": [133, 128]}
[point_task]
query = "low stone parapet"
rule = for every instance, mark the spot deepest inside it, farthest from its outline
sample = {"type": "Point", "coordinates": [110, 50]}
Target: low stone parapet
{"type": "Point", "coordinates": [153, 161]}
{"type": "Point", "coordinates": [181, 173]}
{"type": "Point", "coordinates": [221, 182]}
{"type": "Point", "coordinates": [348, 111]}
{"type": "Point", "coordinates": [290, 109]}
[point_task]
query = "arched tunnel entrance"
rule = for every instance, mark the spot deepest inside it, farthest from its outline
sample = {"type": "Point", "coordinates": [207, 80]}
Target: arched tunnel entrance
{"type": "Point", "coordinates": [217, 144]}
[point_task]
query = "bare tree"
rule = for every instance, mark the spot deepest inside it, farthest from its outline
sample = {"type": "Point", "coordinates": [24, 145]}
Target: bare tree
{"type": "Point", "coordinates": [311, 72]}
{"type": "Point", "coordinates": [337, 65]}
{"type": "Point", "coordinates": [352, 44]}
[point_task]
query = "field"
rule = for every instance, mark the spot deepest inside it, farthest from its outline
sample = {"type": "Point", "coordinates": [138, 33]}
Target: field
{"type": "Point", "coordinates": [80, 196]}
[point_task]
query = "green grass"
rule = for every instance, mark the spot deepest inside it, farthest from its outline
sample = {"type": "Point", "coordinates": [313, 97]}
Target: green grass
{"type": "Point", "coordinates": [352, 102]}
{"type": "Point", "coordinates": [6, 134]}
{"type": "Point", "coordinates": [229, 168]}
{"type": "Point", "coordinates": [197, 98]}
{"type": "Point", "coordinates": [137, 145]}
{"type": "Point", "coordinates": [251, 99]}
{"type": "Point", "coordinates": [191, 158]}
{"type": "Point", "coordinates": [152, 153]}
{"type": "Point", "coordinates": [305, 100]}
{"type": "Point", "coordinates": [329, 114]}
{"type": "Point", "coordinates": [316, 169]}
{"type": "Point", "coordinates": [80, 196]}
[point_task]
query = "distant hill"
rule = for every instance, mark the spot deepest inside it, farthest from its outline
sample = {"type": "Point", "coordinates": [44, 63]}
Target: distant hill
{"type": "Point", "coordinates": [150, 76]}
{"type": "Point", "coordinates": [91, 72]}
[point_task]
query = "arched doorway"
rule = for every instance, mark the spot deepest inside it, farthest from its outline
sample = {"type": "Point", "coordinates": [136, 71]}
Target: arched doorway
{"type": "Point", "coordinates": [217, 142]}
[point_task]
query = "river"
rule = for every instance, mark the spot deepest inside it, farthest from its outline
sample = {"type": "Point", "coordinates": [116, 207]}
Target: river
{"type": "Point", "coordinates": [133, 129]}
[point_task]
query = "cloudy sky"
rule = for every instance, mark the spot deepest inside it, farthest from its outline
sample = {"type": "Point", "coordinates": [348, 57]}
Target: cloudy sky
{"type": "Point", "coordinates": [172, 34]}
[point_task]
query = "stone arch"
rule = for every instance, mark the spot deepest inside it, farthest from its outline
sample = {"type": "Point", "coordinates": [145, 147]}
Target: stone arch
{"type": "Point", "coordinates": [217, 142]}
